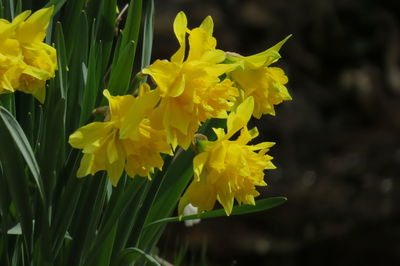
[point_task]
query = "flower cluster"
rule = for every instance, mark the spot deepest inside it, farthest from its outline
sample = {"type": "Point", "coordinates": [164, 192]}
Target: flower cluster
{"type": "Point", "coordinates": [226, 169]}
{"type": "Point", "coordinates": [25, 61]}
{"type": "Point", "coordinates": [125, 140]}
{"type": "Point", "coordinates": [199, 82]}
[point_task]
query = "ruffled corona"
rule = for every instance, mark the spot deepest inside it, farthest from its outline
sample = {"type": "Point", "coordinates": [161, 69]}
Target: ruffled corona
{"type": "Point", "coordinates": [191, 90]}
{"type": "Point", "coordinates": [226, 169]}
{"type": "Point", "coordinates": [256, 78]}
{"type": "Point", "coordinates": [125, 141]}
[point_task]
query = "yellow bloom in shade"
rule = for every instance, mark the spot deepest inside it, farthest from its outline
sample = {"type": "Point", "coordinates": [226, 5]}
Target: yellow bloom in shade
{"type": "Point", "coordinates": [257, 79]}
{"type": "Point", "coordinates": [191, 90]}
{"type": "Point", "coordinates": [125, 141]}
{"type": "Point", "coordinates": [40, 57]}
{"type": "Point", "coordinates": [11, 57]}
{"type": "Point", "coordinates": [25, 61]}
{"type": "Point", "coordinates": [226, 169]}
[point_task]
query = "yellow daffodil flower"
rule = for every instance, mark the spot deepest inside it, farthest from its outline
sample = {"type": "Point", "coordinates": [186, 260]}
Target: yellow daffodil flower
{"type": "Point", "coordinates": [125, 140]}
{"type": "Point", "coordinates": [11, 57]}
{"type": "Point", "coordinates": [256, 78]}
{"type": "Point", "coordinates": [226, 169]}
{"type": "Point", "coordinates": [25, 61]}
{"type": "Point", "coordinates": [40, 57]}
{"type": "Point", "coordinates": [191, 90]}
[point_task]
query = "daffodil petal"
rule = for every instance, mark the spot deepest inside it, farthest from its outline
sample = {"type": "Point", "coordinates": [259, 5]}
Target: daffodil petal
{"type": "Point", "coordinates": [34, 28]}
{"type": "Point", "coordinates": [208, 25]}
{"type": "Point", "coordinates": [198, 164]}
{"type": "Point", "coordinates": [180, 27]}
{"type": "Point", "coordinates": [86, 165]}
{"type": "Point", "coordinates": [237, 120]}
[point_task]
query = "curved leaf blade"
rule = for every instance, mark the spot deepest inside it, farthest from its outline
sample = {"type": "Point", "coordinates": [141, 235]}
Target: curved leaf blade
{"type": "Point", "coordinates": [130, 255]}
{"type": "Point", "coordinates": [18, 135]}
{"type": "Point", "coordinates": [261, 205]}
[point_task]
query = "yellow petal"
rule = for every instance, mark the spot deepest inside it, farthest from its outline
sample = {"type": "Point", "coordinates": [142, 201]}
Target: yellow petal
{"type": "Point", "coordinates": [36, 73]}
{"type": "Point", "coordinates": [119, 105]}
{"type": "Point", "coordinates": [217, 156]}
{"type": "Point", "coordinates": [143, 89]}
{"type": "Point", "coordinates": [200, 42]}
{"type": "Point", "coordinates": [238, 119]}
{"type": "Point", "coordinates": [262, 146]}
{"type": "Point", "coordinates": [113, 152]}
{"type": "Point", "coordinates": [167, 77]}
{"type": "Point", "coordinates": [34, 28]}
{"type": "Point", "coordinates": [40, 94]}
{"type": "Point", "coordinates": [40, 55]}
{"type": "Point", "coordinates": [226, 198]}
{"type": "Point", "coordinates": [198, 164]}
{"type": "Point", "coordinates": [85, 167]}
{"type": "Point", "coordinates": [220, 133]}
{"type": "Point", "coordinates": [7, 29]}
{"type": "Point", "coordinates": [11, 49]}
{"type": "Point", "coordinates": [115, 171]}
{"type": "Point", "coordinates": [180, 27]}
{"type": "Point", "coordinates": [89, 137]}
{"type": "Point", "coordinates": [176, 117]}
{"type": "Point", "coordinates": [137, 111]}
{"type": "Point", "coordinates": [214, 57]}
{"type": "Point", "coordinates": [199, 195]}
{"type": "Point", "coordinates": [265, 58]}
{"type": "Point", "coordinates": [247, 135]}
{"type": "Point", "coordinates": [116, 168]}
{"type": "Point", "coordinates": [207, 25]}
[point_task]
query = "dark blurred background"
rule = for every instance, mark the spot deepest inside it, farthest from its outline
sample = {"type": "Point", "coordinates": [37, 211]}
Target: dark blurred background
{"type": "Point", "coordinates": [338, 144]}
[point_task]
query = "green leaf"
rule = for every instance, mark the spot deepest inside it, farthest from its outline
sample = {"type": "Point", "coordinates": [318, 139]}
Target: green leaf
{"type": "Point", "coordinates": [1, 9]}
{"type": "Point", "coordinates": [119, 203]}
{"type": "Point", "coordinates": [18, 253]}
{"type": "Point", "coordinates": [104, 254]}
{"type": "Point", "coordinates": [73, 28]}
{"type": "Point", "coordinates": [121, 72]}
{"type": "Point", "coordinates": [93, 79]}
{"type": "Point", "coordinates": [53, 139]}
{"type": "Point", "coordinates": [5, 201]}
{"type": "Point", "coordinates": [62, 61]}
{"type": "Point", "coordinates": [8, 102]}
{"type": "Point", "coordinates": [130, 255]}
{"type": "Point", "coordinates": [67, 200]}
{"type": "Point", "coordinates": [57, 4]}
{"type": "Point", "coordinates": [174, 182]}
{"type": "Point", "coordinates": [79, 54]}
{"type": "Point", "coordinates": [128, 220]}
{"type": "Point", "coordinates": [148, 29]}
{"type": "Point", "coordinates": [13, 174]}
{"type": "Point", "coordinates": [261, 205]}
{"type": "Point", "coordinates": [105, 30]}
{"type": "Point", "coordinates": [20, 140]}
{"type": "Point", "coordinates": [83, 231]}
{"type": "Point", "coordinates": [26, 113]}
{"type": "Point", "coordinates": [18, 8]}
{"type": "Point", "coordinates": [11, 8]}
{"type": "Point", "coordinates": [132, 24]}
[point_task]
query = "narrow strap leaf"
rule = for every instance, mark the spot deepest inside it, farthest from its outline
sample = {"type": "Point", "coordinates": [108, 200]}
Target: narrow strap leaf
{"type": "Point", "coordinates": [23, 145]}
{"type": "Point", "coordinates": [261, 205]}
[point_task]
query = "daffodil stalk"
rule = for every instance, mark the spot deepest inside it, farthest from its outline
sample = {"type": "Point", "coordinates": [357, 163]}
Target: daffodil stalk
{"type": "Point", "coordinates": [174, 136]}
